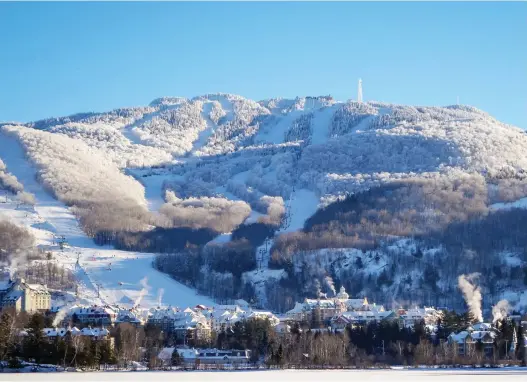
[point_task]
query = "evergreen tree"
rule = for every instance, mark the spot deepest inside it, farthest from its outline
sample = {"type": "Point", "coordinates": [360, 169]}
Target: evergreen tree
{"type": "Point", "coordinates": [35, 342]}
{"type": "Point", "coordinates": [6, 335]}
{"type": "Point", "coordinates": [176, 359]}
{"type": "Point", "coordinates": [107, 353]}
{"type": "Point", "coordinates": [521, 353]}
{"type": "Point", "coordinates": [280, 355]}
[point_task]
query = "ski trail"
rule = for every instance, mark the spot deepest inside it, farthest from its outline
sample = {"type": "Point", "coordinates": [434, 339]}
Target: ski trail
{"type": "Point", "coordinates": [47, 207]}
{"type": "Point", "coordinates": [204, 135]}
{"type": "Point", "coordinates": [118, 273]}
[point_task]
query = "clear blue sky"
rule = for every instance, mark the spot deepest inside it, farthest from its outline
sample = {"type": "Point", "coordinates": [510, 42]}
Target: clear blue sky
{"type": "Point", "coordinates": [62, 58]}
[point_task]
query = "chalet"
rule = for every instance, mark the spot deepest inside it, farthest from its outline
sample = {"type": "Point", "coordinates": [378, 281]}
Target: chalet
{"type": "Point", "coordinates": [93, 315]}
{"type": "Point", "coordinates": [93, 333]}
{"type": "Point", "coordinates": [195, 357]}
{"type": "Point", "coordinates": [224, 316]}
{"type": "Point", "coordinates": [191, 325]}
{"type": "Point", "coordinates": [133, 317]}
{"type": "Point", "coordinates": [468, 339]}
{"type": "Point", "coordinates": [163, 318]}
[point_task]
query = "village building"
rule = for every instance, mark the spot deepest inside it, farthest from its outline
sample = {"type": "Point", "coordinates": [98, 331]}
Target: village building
{"type": "Point", "coordinates": [191, 325]}
{"type": "Point", "coordinates": [134, 317]}
{"type": "Point", "coordinates": [92, 315]}
{"type": "Point", "coordinates": [223, 317]}
{"type": "Point", "coordinates": [196, 357]}
{"type": "Point", "coordinates": [321, 311]}
{"type": "Point", "coordinates": [428, 315]}
{"type": "Point", "coordinates": [24, 297]}
{"type": "Point", "coordinates": [479, 334]}
{"type": "Point", "coordinates": [163, 318]}
{"type": "Point", "coordinates": [361, 318]}
{"type": "Point", "coordinates": [94, 333]}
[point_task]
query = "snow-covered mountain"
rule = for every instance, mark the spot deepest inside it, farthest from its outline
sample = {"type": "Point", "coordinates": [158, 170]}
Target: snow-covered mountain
{"type": "Point", "coordinates": [216, 164]}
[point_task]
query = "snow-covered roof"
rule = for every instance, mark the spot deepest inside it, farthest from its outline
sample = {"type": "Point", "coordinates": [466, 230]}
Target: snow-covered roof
{"type": "Point", "coordinates": [263, 315]}
{"type": "Point", "coordinates": [463, 336]}
{"type": "Point", "coordinates": [323, 303]}
{"type": "Point", "coordinates": [355, 303]}
{"type": "Point", "coordinates": [80, 310]}
{"type": "Point", "coordinates": [230, 308]}
{"type": "Point", "coordinates": [61, 332]}
{"type": "Point", "coordinates": [458, 337]}
{"type": "Point", "coordinates": [186, 353]}
{"type": "Point", "coordinates": [55, 332]}
{"type": "Point", "coordinates": [38, 288]}
{"type": "Point", "coordinates": [13, 295]}
{"type": "Point", "coordinates": [129, 315]}
{"type": "Point", "coordinates": [166, 354]}
{"type": "Point", "coordinates": [20, 285]}
{"type": "Point", "coordinates": [298, 308]}
{"type": "Point", "coordinates": [94, 332]}
{"type": "Point", "coordinates": [361, 315]}
{"type": "Point", "coordinates": [5, 285]}
{"type": "Point", "coordinates": [483, 335]}
{"type": "Point", "coordinates": [168, 313]}
{"type": "Point", "coordinates": [420, 312]}
{"type": "Point", "coordinates": [482, 326]}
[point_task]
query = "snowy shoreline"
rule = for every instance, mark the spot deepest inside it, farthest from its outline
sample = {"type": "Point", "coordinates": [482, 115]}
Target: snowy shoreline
{"type": "Point", "coordinates": [240, 369]}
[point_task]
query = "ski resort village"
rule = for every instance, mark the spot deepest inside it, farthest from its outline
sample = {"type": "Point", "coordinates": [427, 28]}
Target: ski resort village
{"type": "Point", "coordinates": [307, 232]}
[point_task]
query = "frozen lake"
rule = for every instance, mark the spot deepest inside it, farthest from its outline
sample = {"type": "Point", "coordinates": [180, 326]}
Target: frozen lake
{"type": "Point", "coordinates": [473, 375]}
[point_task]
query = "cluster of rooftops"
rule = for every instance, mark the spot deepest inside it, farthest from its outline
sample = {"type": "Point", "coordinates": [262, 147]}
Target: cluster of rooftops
{"type": "Point", "coordinates": [190, 318]}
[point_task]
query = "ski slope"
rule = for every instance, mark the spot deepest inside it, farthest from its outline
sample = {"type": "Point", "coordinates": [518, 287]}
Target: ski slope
{"type": "Point", "coordinates": [105, 275]}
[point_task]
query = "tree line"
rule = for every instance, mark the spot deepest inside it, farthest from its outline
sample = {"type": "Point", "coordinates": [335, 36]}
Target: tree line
{"type": "Point", "coordinates": [376, 344]}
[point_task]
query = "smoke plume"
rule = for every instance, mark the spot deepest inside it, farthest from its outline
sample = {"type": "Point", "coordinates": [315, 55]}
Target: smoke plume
{"type": "Point", "coordinates": [472, 294]}
{"type": "Point", "coordinates": [500, 310]}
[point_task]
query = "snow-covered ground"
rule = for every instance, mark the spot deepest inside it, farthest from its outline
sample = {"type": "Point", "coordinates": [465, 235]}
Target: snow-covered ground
{"type": "Point", "coordinates": [340, 148]}
{"type": "Point", "coordinates": [321, 123]}
{"type": "Point", "coordinates": [302, 205]}
{"type": "Point", "coordinates": [520, 203]}
{"type": "Point", "coordinates": [453, 375]}
{"type": "Point", "coordinates": [117, 274]}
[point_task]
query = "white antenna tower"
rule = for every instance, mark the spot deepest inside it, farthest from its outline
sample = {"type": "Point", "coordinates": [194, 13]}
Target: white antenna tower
{"type": "Point", "coordinates": [359, 91]}
{"type": "Point", "coordinates": [458, 100]}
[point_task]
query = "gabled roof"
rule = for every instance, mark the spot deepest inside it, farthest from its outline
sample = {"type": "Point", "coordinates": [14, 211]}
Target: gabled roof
{"type": "Point", "coordinates": [55, 332]}
{"type": "Point", "coordinates": [298, 308]}
{"type": "Point", "coordinates": [482, 326]}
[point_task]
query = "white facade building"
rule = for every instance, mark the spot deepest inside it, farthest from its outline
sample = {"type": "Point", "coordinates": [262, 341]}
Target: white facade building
{"type": "Point", "coordinates": [24, 297]}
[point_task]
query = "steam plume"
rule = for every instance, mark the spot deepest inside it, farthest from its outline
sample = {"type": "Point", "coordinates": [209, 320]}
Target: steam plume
{"type": "Point", "coordinates": [331, 285]}
{"type": "Point", "coordinates": [318, 288]}
{"type": "Point", "coordinates": [160, 293]}
{"type": "Point", "coordinates": [143, 291]}
{"type": "Point", "coordinates": [500, 310]}
{"type": "Point", "coordinates": [472, 294]}
{"type": "Point", "coordinates": [60, 315]}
